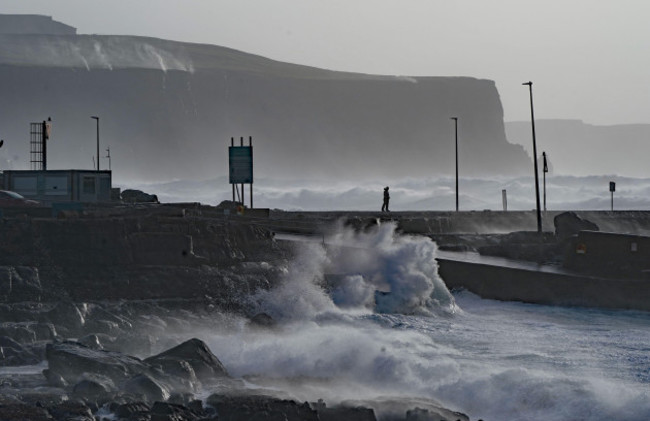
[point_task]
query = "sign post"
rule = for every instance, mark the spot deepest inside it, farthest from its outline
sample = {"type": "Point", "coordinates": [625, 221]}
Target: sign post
{"type": "Point", "coordinates": [612, 189]}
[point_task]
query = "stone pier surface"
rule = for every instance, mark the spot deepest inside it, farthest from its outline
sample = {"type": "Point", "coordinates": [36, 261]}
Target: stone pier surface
{"type": "Point", "coordinates": [184, 251]}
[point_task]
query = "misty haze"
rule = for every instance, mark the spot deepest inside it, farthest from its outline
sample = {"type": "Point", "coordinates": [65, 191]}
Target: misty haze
{"type": "Point", "coordinates": [149, 290]}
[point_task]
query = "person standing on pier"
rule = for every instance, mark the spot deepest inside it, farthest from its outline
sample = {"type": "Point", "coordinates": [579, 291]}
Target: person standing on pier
{"type": "Point", "coordinates": [384, 207]}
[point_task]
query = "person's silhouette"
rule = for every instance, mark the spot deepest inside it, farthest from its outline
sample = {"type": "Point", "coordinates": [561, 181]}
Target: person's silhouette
{"type": "Point", "coordinates": [384, 207]}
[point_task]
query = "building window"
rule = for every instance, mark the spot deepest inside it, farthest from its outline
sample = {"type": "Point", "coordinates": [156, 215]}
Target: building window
{"type": "Point", "coordinates": [89, 185]}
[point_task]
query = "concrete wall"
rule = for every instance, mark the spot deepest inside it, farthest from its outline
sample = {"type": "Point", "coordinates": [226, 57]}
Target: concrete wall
{"type": "Point", "coordinates": [612, 254]}
{"type": "Point", "coordinates": [538, 287]}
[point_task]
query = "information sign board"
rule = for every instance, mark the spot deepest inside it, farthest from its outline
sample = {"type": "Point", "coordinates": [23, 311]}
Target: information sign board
{"type": "Point", "coordinates": [241, 164]}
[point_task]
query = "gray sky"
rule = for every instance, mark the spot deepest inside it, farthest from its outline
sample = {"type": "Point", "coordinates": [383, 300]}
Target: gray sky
{"type": "Point", "coordinates": [588, 59]}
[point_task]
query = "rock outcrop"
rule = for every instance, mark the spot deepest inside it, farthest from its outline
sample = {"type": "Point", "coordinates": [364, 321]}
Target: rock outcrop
{"type": "Point", "coordinates": [568, 224]}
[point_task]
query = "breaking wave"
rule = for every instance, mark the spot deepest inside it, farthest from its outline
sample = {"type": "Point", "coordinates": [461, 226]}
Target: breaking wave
{"type": "Point", "coordinates": [361, 271]}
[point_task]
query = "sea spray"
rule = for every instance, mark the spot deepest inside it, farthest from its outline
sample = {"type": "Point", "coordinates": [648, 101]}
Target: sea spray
{"type": "Point", "coordinates": [493, 360]}
{"type": "Point", "coordinates": [374, 268]}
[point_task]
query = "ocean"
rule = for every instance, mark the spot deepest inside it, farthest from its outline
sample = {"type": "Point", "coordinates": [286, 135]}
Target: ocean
{"type": "Point", "coordinates": [342, 340]}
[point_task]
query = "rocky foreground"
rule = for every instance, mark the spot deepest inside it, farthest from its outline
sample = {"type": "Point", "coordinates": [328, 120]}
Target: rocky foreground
{"type": "Point", "coordinates": [95, 310]}
{"type": "Point", "coordinates": [81, 366]}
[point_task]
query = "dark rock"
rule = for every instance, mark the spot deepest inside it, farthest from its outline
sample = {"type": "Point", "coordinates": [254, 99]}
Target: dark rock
{"type": "Point", "coordinates": [177, 372]}
{"type": "Point", "coordinates": [181, 398]}
{"type": "Point", "coordinates": [43, 396]}
{"type": "Point", "coordinates": [196, 406]}
{"type": "Point", "coordinates": [419, 414]}
{"type": "Point", "coordinates": [100, 318]}
{"type": "Point", "coordinates": [107, 327]}
{"type": "Point", "coordinates": [18, 283]}
{"type": "Point", "coordinates": [71, 360]}
{"type": "Point", "coordinates": [7, 342]}
{"type": "Point", "coordinates": [72, 410]}
{"type": "Point", "coordinates": [195, 352]}
{"type": "Point", "coordinates": [262, 320]}
{"type": "Point", "coordinates": [346, 414]}
{"type": "Point", "coordinates": [260, 407]}
{"type": "Point", "coordinates": [228, 204]}
{"type": "Point", "coordinates": [91, 388]}
{"type": "Point", "coordinates": [91, 341]}
{"type": "Point", "coordinates": [67, 314]}
{"type": "Point", "coordinates": [163, 411]}
{"type": "Point", "coordinates": [129, 410]}
{"type": "Point", "coordinates": [397, 408]}
{"type": "Point", "coordinates": [43, 331]}
{"type": "Point", "coordinates": [54, 379]}
{"type": "Point", "coordinates": [138, 196]}
{"type": "Point", "coordinates": [523, 245]}
{"type": "Point", "coordinates": [19, 333]}
{"type": "Point", "coordinates": [38, 350]}
{"type": "Point", "coordinates": [24, 412]}
{"type": "Point", "coordinates": [144, 385]}
{"type": "Point", "coordinates": [133, 343]}
{"type": "Point", "coordinates": [14, 354]}
{"type": "Point", "coordinates": [568, 224]}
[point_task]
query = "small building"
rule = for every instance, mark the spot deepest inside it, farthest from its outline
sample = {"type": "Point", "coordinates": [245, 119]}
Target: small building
{"type": "Point", "coordinates": [84, 186]}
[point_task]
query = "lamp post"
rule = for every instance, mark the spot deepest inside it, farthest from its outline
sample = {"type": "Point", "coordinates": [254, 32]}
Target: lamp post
{"type": "Point", "coordinates": [456, 132]}
{"type": "Point", "coordinates": [97, 118]}
{"type": "Point", "coordinates": [532, 119]}
{"type": "Point", "coordinates": [544, 171]}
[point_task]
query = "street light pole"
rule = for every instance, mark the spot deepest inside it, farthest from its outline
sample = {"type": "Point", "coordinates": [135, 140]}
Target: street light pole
{"type": "Point", "coordinates": [532, 119]}
{"type": "Point", "coordinates": [544, 171]}
{"type": "Point", "coordinates": [97, 118]}
{"type": "Point", "coordinates": [456, 132]}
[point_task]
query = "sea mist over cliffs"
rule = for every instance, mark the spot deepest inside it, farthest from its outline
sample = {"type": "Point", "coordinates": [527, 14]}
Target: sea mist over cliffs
{"type": "Point", "coordinates": [168, 111]}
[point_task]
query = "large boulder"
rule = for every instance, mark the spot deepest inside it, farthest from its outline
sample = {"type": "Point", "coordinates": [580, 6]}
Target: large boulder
{"type": "Point", "coordinates": [147, 387]}
{"type": "Point", "coordinates": [66, 315]}
{"type": "Point", "coordinates": [71, 360]}
{"type": "Point", "coordinates": [194, 352]}
{"type": "Point", "coordinates": [568, 224]}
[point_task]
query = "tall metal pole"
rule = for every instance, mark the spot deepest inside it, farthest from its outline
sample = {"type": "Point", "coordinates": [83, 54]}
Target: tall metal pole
{"type": "Point", "coordinates": [241, 143]}
{"type": "Point", "coordinates": [532, 119]}
{"type": "Point", "coordinates": [97, 118]}
{"type": "Point", "coordinates": [250, 144]}
{"type": "Point", "coordinates": [44, 145]}
{"type": "Point", "coordinates": [544, 171]}
{"type": "Point", "coordinates": [456, 131]}
{"type": "Point", "coordinates": [232, 144]}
